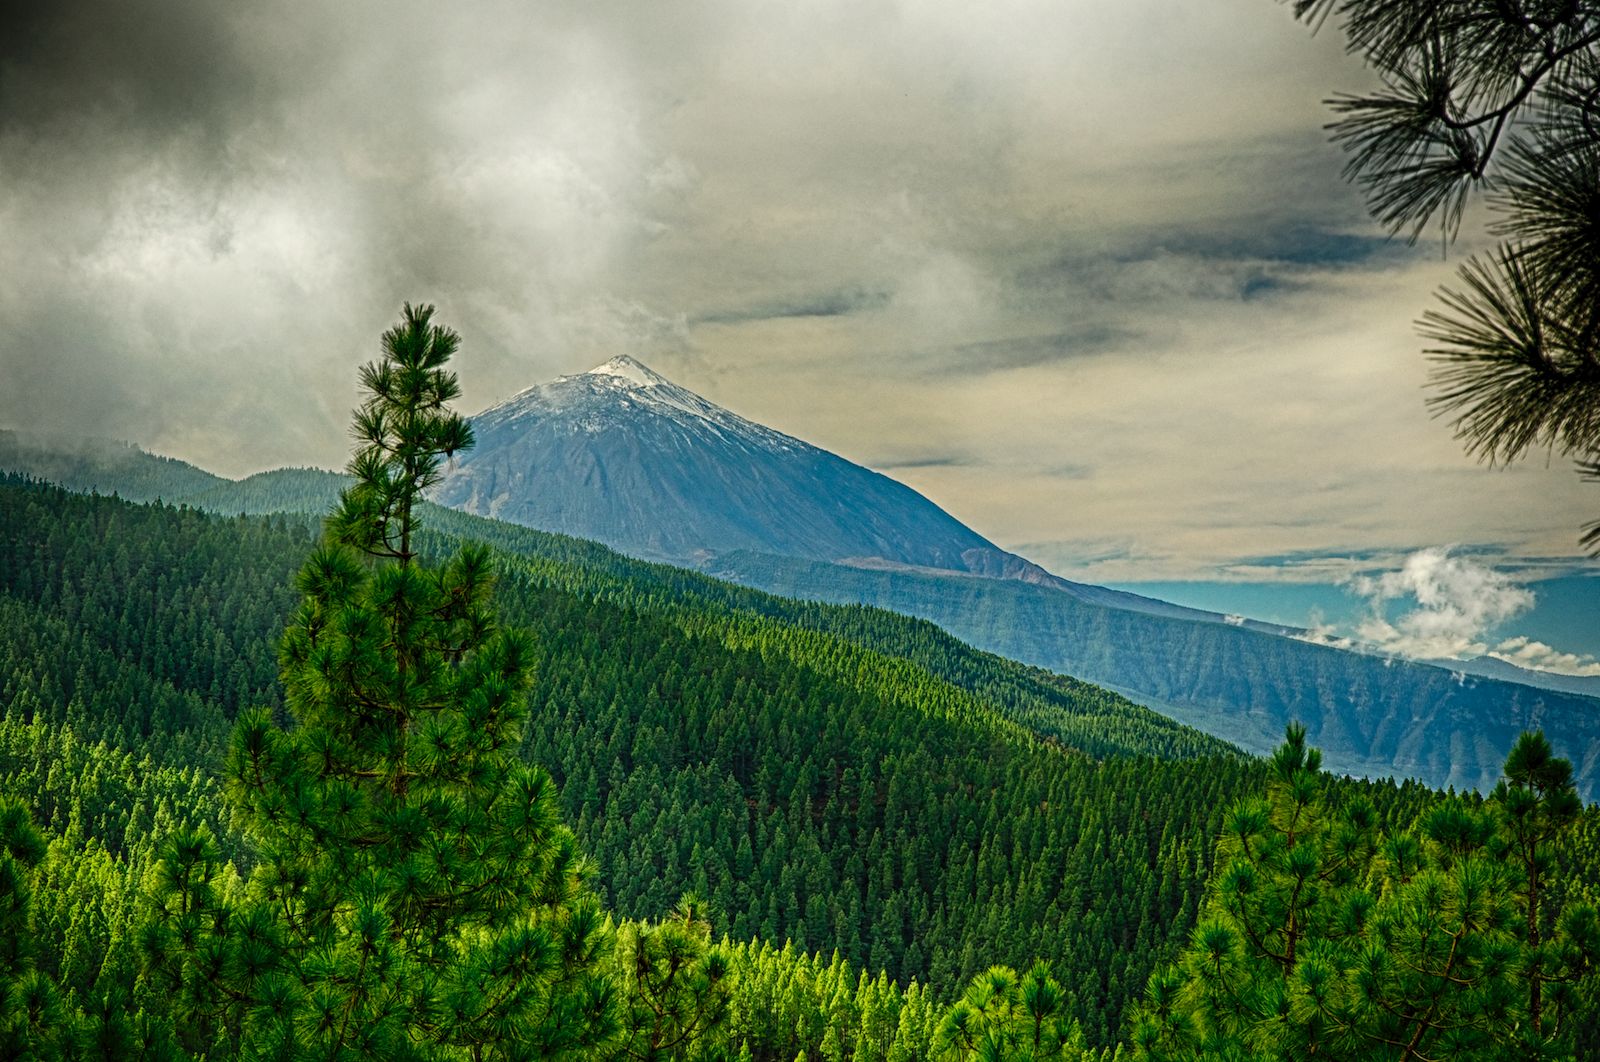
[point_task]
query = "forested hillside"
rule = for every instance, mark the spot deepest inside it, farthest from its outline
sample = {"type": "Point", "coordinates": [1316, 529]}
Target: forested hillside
{"type": "Point", "coordinates": [1372, 715]}
{"type": "Point", "coordinates": [104, 466]}
{"type": "Point", "coordinates": [839, 779]}
{"type": "Point", "coordinates": [833, 792]}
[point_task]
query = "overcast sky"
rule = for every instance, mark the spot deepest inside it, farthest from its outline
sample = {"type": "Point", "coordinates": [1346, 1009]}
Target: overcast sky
{"type": "Point", "coordinates": [1084, 273]}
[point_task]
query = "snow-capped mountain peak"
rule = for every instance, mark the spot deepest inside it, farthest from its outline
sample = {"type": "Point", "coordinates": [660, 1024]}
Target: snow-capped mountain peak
{"type": "Point", "coordinates": [621, 390]}
{"type": "Point", "coordinates": [630, 370]}
{"type": "Point", "coordinates": [624, 455]}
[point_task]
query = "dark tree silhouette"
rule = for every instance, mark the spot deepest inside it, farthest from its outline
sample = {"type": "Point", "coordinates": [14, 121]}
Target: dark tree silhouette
{"type": "Point", "coordinates": [1502, 96]}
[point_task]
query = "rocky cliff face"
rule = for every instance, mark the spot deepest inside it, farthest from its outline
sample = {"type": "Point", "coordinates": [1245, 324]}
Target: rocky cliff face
{"type": "Point", "coordinates": [1371, 715]}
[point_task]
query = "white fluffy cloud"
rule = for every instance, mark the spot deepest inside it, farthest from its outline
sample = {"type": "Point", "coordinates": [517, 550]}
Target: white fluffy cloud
{"type": "Point", "coordinates": [1457, 602]}
{"type": "Point", "coordinates": [1525, 652]}
{"type": "Point", "coordinates": [1438, 605]}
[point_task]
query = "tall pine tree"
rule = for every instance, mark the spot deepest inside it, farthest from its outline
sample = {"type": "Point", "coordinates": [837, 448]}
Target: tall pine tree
{"type": "Point", "coordinates": [414, 894]}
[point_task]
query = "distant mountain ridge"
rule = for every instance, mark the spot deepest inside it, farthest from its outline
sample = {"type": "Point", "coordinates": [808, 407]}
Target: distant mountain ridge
{"type": "Point", "coordinates": [621, 456]}
{"type": "Point", "coordinates": [1494, 668]}
{"type": "Point", "coordinates": [1371, 715]}
{"type": "Point", "coordinates": [104, 466]}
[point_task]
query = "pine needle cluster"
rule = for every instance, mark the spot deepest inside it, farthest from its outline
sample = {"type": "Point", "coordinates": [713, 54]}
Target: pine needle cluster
{"type": "Point", "coordinates": [1504, 96]}
{"type": "Point", "coordinates": [1008, 1017]}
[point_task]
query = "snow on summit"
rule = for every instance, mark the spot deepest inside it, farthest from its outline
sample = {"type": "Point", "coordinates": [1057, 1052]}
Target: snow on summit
{"type": "Point", "coordinates": [626, 368]}
{"type": "Point", "coordinates": [622, 455]}
{"type": "Point", "coordinates": [609, 395]}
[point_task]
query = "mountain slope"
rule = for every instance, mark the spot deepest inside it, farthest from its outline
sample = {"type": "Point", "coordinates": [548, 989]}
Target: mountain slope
{"type": "Point", "coordinates": [1371, 715]}
{"type": "Point", "coordinates": [90, 465]}
{"type": "Point", "coordinates": [1495, 668]}
{"type": "Point", "coordinates": [101, 465]}
{"type": "Point", "coordinates": [884, 799]}
{"type": "Point", "coordinates": [819, 774]}
{"type": "Point", "coordinates": [661, 517]}
{"type": "Point", "coordinates": [281, 490]}
{"type": "Point", "coordinates": [623, 456]}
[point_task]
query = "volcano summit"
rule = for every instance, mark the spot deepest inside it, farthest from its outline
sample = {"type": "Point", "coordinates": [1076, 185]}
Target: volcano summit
{"type": "Point", "coordinates": [622, 455]}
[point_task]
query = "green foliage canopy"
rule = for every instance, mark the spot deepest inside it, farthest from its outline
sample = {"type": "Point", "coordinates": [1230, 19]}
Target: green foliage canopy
{"type": "Point", "coordinates": [1004, 1017]}
{"type": "Point", "coordinates": [1327, 937]}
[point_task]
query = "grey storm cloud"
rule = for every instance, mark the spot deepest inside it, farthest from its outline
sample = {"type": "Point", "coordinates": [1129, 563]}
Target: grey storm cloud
{"type": "Point", "coordinates": [210, 209]}
{"type": "Point", "coordinates": [824, 304]}
{"type": "Point", "coordinates": [925, 461]}
{"type": "Point", "coordinates": [990, 355]}
{"type": "Point", "coordinates": [1040, 235]}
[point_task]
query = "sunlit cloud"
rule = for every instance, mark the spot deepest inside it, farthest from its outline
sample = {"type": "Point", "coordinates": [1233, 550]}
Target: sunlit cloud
{"type": "Point", "coordinates": [1538, 656]}
{"type": "Point", "coordinates": [1443, 605]}
{"type": "Point", "coordinates": [1453, 603]}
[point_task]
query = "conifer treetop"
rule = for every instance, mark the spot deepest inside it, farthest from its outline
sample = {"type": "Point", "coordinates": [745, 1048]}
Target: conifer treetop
{"type": "Point", "coordinates": [403, 432]}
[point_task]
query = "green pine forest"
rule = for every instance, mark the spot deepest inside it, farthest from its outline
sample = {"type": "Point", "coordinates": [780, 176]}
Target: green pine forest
{"type": "Point", "coordinates": [404, 783]}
